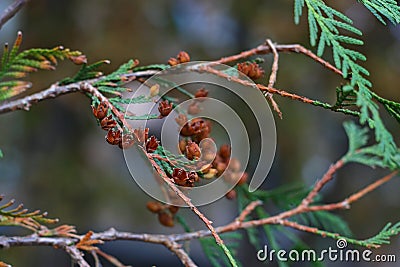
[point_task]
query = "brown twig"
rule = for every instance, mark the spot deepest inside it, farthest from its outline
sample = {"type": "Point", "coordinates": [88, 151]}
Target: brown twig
{"type": "Point", "coordinates": [274, 69]}
{"type": "Point", "coordinates": [272, 78]}
{"type": "Point", "coordinates": [56, 90]}
{"type": "Point", "coordinates": [113, 260]}
{"type": "Point", "coordinates": [328, 176]}
{"type": "Point", "coordinates": [345, 204]}
{"type": "Point", "coordinates": [248, 210]}
{"type": "Point", "coordinates": [76, 256]}
{"type": "Point", "coordinates": [266, 49]}
{"type": "Point", "coordinates": [11, 11]}
{"type": "Point", "coordinates": [171, 241]}
{"type": "Point", "coordinates": [259, 86]}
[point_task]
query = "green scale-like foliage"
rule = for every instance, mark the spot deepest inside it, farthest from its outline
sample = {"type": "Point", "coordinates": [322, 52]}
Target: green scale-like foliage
{"type": "Point", "coordinates": [326, 25]}
{"type": "Point", "coordinates": [15, 66]}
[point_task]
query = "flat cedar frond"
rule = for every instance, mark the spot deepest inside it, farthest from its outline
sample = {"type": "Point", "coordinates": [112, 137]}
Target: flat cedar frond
{"type": "Point", "coordinates": [86, 72]}
{"type": "Point", "coordinates": [15, 66]}
{"type": "Point", "coordinates": [22, 217]}
{"type": "Point", "coordinates": [383, 237]}
{"type": "Point", "coordinates": [389, 9]}
{"type": "Point", "coordinates": [326, 25]}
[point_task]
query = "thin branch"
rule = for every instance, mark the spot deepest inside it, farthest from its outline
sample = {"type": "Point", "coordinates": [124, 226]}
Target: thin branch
{"type": "Point", "coordinates": [113, 260]}
{"type": "Point", "coordinates": [345, 204]}
{"type": "Point", "coordinates": [266, 49]}
{"type": "Point", "coordinates": [76, 256]}
{"type": "Point", "coordinates": [274, 69]}
{"type": "Point", "coordinates": [272, 77]}
{"type": "Point", "coordinates": [171, 241]}
{"type": "Point", "coordinates": [248, 210]}
{"type": "Point", "coordinates": [25, 103]}
{"type": "Point", "coordinates": [328, 176]}
{"type": "Point", "coordinates": [11, 11]}
{"type": "Point", "coordinates": [56, 90]}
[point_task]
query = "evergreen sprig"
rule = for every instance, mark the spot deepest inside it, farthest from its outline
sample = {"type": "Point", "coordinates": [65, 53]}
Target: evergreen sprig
{"type": "Point", "coordinates": [326, 24]}
{"type": "Point", "coordinates": [19, 216]}
{"type": "Point", "coordinates": [373, 156]}
{"type": "Point", "coordinates": [15, 66]}
{"type": "Point", "coordinates": [383, 237]}
{"type": "Point", "coordinates": [386, 8]}
{"type": "Point", "coordinates": [86, 72]}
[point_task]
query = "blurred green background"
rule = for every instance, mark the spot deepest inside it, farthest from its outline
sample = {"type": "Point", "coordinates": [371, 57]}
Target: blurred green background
{"type": "Point", "coordinates": [56, 158]}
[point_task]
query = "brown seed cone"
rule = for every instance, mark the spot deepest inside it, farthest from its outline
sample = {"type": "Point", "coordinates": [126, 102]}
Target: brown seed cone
{"type": "Point", "coordinates": [151, 144]}
{"type": "Point", "coordinates": [108, 123]}
{"type": "Point", "coordinates": [100, 112]}
{"type": "Point", "coordinates": [166, 219]}
{"type": "Point", "coordinates": [113, 137]}
{"type": "Point", "coordinates": [154, 206]}
{"type": "Point", "coordinates": [231, 194]}
{"type": "Point", "coordinates": [202, 92]}
{"type": "Point", "coordinates": [253, 70]}
{"type": "Point", "coordinates": [183, 57]}
{"type": "Point", "coordinates": [164, 108]}
{"type": "Point", "coordinates": [192, 151]}
{"type": "Point", "coordinates": [225, 152]}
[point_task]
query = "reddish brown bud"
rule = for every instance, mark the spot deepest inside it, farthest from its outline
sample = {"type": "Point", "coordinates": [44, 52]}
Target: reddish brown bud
{"type": "Point", "coordinates": [182, 178]}
{"type": "Point", "coordinates": [179, 174]}
{"type": "Point", "coordinates": [164, 108]}
{"type": "Point", "coordinates": [151, 144]}
{"type": "Point", "coordinates": [154, 206]}
{"type": "Point", "coordinates": [166, 219]}
{"type": "Point", "coordinates": [202, 92]}
{"type": "Point", "coordinates": [192, 151]}
{"type": "Point", "coordinates": [193, 176]}
{"type": "Point", "coordinates": [113, 137]}
{"type": "Point", "coordinates": [187, 130]}
{"type": "Point", "coordinates": [253, 70]}
{"type": "Point", "coordinates": [100, 112]}
{"type": "Point", "coordinates": [173, 61]}
{"type": "Point", "coordinates": [173, 209]}
{"type": "Point", "coordinates": [108, 123]}
{"type": "Point", "coordinates": [231, 194]}
{"type": "Point", "coordinates": [183, 57]}
{"type": "Point", "coordinates": [78, 60]}
{"type": "Point", "coordinates": [225, 151]}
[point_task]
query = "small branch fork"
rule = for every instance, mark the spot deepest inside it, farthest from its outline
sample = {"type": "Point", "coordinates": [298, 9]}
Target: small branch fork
{"type": "Point", "coordinates": [172, 241]}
